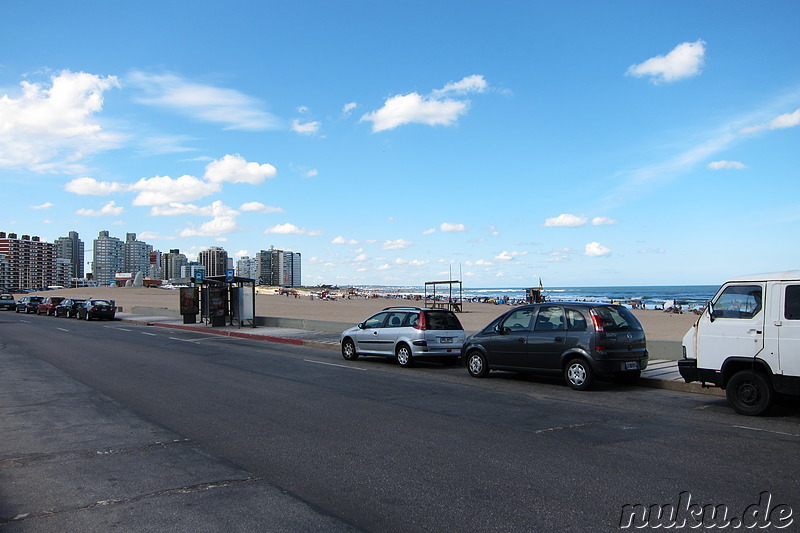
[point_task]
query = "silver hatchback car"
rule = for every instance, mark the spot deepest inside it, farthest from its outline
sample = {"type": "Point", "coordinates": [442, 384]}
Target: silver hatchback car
{"type": "Point", "coordinates": [406, 333]}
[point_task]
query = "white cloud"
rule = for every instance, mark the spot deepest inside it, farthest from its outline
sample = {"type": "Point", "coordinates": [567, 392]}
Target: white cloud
{"type": "Point", "coordinates": [685, 60]}
{"type": "Point", "coordinates": [163, 190]}
{"type": "Point", "coordinates": [718, 165]}
{"type": "Point", "coordinates": [90, 186]}
{"type": "Point", "coordinates": [566, 220]}
{"type": "Point", "coordinates": [361, 258]}
{"type": "Point", "coordinates": [399, 244]}
{"type": "Point", "coordinates": [429, 231]}
{"type": "Point", "coordinates": [787, 120]}
{"type": "Point", "coordinates": [260, 208]}
{"type": "Point", "coordinates": [290, 229]}
{"type": "Point", "coordinates": [110, 209]}
{"type": "Point", "coordinates": [342, 240]}
{"type": "Point", "coordinates": [448, 226]}
{"type": "Point", "coordinates": [509, 256]}
{"type": "Point", "coordinates": [433, 109]}
{"type": "Point", "coordinates": [383, 267]}
{"type": "Point", "coordinates": [595, 249]}
{"type": "Point", "coordinates": [471, 84]}
{"type": "Point", "coordinates": [235, 110]}
{"type": "Point", "coordinates": [215, 209]}
{"type": "Point", "coordinates": [603, 221]}
{"type": "Point", "coordinates": [214, 227]}
{"type": "Point", "coordinates": [348, 108]}
{"type": "Point", "coordinates": [306, 128]}
{"type": "Point", "coordinates": [311, 173]}
{"type": "Point", "coordinates": [50, 129]}
{"type": "Point", "coordinates": [235, 169]}
{"type": "Point", "coordinates": [45, 205]}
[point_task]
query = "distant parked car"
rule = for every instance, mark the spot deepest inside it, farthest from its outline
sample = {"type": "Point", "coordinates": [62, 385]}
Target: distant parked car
{"type": "Point", "coordinates": [406, 333]}
{"type": "Point", "coordinates": [576, 340]}
{"type": "Point", "coordinates": [29, 304]}
{"type": "Point", "coordinates": [48, 305]}
{"type": "Point", "coordinates": [96, 309]}
{"type": "Point", "coordinates": [7, 302]}
{"type": "Point", "coordinates": [69, 307]}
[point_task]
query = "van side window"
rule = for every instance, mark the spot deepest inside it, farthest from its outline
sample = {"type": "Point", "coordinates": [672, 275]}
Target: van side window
{"type": "Point", "coordinates": [738, 301]}
{"type": "Point", "coordinates": [575, 319]}
{"type": "Point", "coordinates": [550, 318]}
{"type": "Point", "coordinates": [791, 309]}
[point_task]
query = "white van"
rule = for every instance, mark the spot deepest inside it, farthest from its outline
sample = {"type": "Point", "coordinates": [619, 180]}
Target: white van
{"type": "Point", "coordinates": [747, 341]}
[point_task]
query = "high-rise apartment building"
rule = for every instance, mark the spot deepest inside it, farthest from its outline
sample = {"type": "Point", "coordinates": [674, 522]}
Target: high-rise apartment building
{"type": "Point", "coordinates": [246, 267]}
{"type": "Point", "coordinates": [71, 249]}
{"type": "Point", "coordinates": [30, 263]}
{"type": "Point", "coordinates": [278, 268]}
{"type": "Point", "coordinates": [215, 259]}
{"type": "Point", "coordinates": [171, 264]}
{"type": "Point", "coordinates": [137, 255]}
{"type": "Point", "coordinates": [109, 258]}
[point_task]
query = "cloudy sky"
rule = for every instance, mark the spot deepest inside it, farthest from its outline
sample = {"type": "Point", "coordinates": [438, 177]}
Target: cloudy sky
{"type": "Point", "coordinates": [584, 143]}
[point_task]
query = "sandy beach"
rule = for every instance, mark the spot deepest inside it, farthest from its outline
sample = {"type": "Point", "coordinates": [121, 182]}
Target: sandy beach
{"type": "Point", "coordinates": [658, 325]}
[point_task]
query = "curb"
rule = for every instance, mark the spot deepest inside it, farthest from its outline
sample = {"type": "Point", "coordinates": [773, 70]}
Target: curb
{"type": "Point", "coordinates": [695, 388]}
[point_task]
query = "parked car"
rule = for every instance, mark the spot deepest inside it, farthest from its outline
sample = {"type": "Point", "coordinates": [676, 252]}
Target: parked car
{"type": "Point", "coordinates": [48, 305]}
{"type": "Point", "coordinates": [7, 302]}
{"type": "Point", "coordinates": [28, 304]}
{"type": "Point", "coordinates": [90, 309]}
{"type": "Point", "coordinates": [69, 307]}
{"type": "Point", "coordinates": [577, 340]}
{"type": "Point", "coordinates": [406, 333]}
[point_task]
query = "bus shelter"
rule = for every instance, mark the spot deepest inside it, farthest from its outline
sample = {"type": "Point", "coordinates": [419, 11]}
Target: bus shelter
{"type": "Point", "coordinates": [221, 301]}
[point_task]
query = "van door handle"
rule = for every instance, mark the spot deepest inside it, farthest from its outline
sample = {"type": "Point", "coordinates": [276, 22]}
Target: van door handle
{"type": "Point", "coordinates": [521, 339]}
{"type": "Point", "coordinates": [755, 332]}
{"type": "Point", "coordinates": [558, 339]}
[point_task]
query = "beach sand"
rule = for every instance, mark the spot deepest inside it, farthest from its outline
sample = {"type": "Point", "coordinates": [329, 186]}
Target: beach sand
{"type": "Point", "coordinates": [658, 325]}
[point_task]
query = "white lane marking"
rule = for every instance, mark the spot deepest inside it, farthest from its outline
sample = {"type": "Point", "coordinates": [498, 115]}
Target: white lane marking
{"type": "Point", "coordinates": [333, 364]}
{"type": "Point", "coordinates": [62, 329]}
{"type": "Point", "coordinates": [211, 338]}
{"type": "Point", "coordinates": [151, 334]}
{"type": "Point", "coordinates": [122, 329]}
{"type": "Point", "coordinates": [769, 431]}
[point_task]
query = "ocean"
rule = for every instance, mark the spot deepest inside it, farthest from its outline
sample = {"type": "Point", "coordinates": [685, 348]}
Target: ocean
{"type": "Point", "coordinates": [688, 296]}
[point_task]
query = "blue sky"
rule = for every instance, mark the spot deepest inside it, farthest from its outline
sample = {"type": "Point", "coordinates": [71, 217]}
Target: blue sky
{"type": "Point", "coordinates": [584, 143]}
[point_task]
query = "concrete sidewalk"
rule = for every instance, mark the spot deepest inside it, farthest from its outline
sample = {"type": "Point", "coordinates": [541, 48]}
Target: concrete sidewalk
{"type": "Point", "coordinates": [661, 373]}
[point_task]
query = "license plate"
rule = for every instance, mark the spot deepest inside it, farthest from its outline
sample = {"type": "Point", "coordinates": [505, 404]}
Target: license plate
{"type": "Point", "coordinates": [632, 365]}
{"type": "Point", "coordinates": [446, 340]}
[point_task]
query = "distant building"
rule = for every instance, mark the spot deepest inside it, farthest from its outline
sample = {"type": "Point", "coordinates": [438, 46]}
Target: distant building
{"type": "Point", "coordinates": [191, 269]}
{"type": "Point", "coordinates": [109, 258]}
{"type": "Point", "coordinates": [246, 267]}
{"type": "Point", "coordinates": [28, 263]}
{"type": "Point", "coordinates": [137, 255]}
{"type": "Point", "coordinates": [278, 268]}
{"type": "Point", "coordinates": [171, 264]}
{"type": "Point", "coordinates": [215, 259]}
{"type": "Point", "coordinates": [71, 249]}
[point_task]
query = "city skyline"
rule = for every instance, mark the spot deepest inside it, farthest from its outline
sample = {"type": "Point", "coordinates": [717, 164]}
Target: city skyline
{"type": "Point", "coordinates": [578, 143]}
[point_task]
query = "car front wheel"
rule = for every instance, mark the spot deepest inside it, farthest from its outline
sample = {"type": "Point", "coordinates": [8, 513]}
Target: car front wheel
{"type": "Point", "coordinates": [578, 374]}
{"type": "Point", "coordinates": [349, 350]}
{"type": "Point", "coordinates": [749, 393]}
{"type": "Point", "coordinates": [477, 365]}
{"type": "Point", "coordinates": [404, 356]}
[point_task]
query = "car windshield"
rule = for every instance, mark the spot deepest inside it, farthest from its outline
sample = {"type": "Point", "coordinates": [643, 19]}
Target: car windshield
{"type": "Point", "coordinates": [442, 320]}
{"type": "Point", "coordinates": [36, 299]}
{"type": "Point", "coordinates": [617, 319]}
{"type": "Point", "coordinates": [6, 297]}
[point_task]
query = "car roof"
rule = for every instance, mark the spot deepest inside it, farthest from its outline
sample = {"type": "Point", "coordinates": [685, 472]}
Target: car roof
{"type": "Point", "coordinates": [409, 308]}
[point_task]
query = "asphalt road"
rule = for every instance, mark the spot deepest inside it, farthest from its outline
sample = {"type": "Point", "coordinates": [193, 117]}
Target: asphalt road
{"type": "Point", "coordinates": [369, 446]}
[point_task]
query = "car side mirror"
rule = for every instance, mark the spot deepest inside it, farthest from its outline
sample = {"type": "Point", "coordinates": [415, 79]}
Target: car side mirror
{"type": "Point", "coordinates": [711, 316]}
{"type": "Point", "coordinates": [501, 330]}
{"type": "Point", "coordinates": [361, 326]}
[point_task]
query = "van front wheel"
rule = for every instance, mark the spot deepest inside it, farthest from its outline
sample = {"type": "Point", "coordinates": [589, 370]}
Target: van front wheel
{"type": "Point", "coordinates": [749, 393]}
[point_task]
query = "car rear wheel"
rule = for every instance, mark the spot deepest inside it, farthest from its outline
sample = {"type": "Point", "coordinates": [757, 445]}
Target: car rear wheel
{"type": "Point", "coordinates": [578, 374]}
{"type": "Point", "coordinates": [477, 365]}
{"type": "Point", "coordinates": [403, 354]}
{"type": "Point", "coordinates": [349, 350]}
{"type": "Point", "coordinates": [749, 393]}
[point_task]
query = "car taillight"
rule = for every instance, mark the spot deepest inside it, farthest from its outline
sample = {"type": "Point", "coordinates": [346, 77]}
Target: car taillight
{"type": "Point", "coordinates": [596, 320]}
{"type": "Point", "coordinates": [422, 323]}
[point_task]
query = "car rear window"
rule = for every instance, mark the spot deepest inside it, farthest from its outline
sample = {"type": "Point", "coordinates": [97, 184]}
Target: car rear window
{"type": "Point", "coordinates": [617, 319]}
{"type": "Point", "coordinates": [6, 297]}
{"type": "Point", "coordinates": [442, 320]}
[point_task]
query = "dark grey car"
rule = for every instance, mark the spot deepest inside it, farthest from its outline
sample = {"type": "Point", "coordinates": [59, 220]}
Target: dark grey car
{"type": "Point", "coordinates": [577, 340]}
